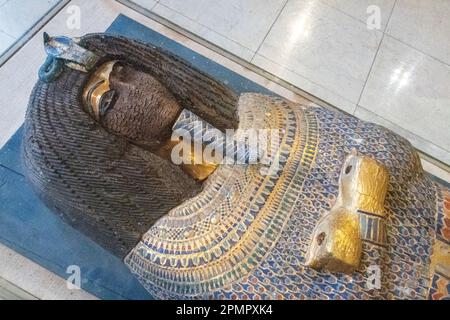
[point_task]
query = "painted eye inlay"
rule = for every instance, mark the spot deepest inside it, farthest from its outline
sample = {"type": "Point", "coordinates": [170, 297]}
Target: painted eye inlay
{"type": "Point", "coordinates": [107, 100]}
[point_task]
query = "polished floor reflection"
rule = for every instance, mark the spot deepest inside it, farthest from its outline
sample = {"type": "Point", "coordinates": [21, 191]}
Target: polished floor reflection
{"type": "Point", "coordinates": [19, 16]}
{"type": "Point", "coordinates": [396, 72]}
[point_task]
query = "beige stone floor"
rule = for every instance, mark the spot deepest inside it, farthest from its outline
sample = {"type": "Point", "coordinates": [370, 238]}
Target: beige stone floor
{"type": "Point", "coordinates": [17, 17]}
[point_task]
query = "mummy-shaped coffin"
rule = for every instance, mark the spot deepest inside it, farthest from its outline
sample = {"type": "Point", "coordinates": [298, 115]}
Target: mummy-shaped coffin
{"type": "Point", "coordinates": [98, 150]}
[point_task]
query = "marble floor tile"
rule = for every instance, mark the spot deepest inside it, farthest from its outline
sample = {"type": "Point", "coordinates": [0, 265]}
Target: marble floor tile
{"type": "Point", "coordinates": [323, 45]}
{"type": "Point", "coordinates": [424, 25]}
{"type": "Point", "coordinates": [18, 16]}
{"type": "Point", "coordinates": [235, 25]}
{"type": "Point", "coordinates": [435, 171]}
{"type": "Point", "coordinates": [5, 42]}
{"type": "Point", "coordinates": [204, 32]}
{"type": "Point", "coordinates": [35, 280]}
{"type": "Point", "coordinates": [358, 8]}
{"type": "Point", "coordinates": [418, 142]}
{"type": "Point", "coordinates": [411, 90]}
{"type": "Point", "coordinates": [304, 84]}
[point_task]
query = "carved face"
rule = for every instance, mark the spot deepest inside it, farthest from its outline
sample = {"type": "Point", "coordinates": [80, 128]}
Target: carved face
{"type": "Point", "coordinates": [135, 105]}
{"type": "Point", "coordinates": [131, 103]}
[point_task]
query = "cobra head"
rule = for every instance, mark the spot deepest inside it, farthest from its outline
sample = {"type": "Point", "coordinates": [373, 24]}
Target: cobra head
{"type": "Point", "coordinates": [70, 51]}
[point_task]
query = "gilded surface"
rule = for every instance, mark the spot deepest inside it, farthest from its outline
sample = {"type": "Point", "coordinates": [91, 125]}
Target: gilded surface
{"type": "Point", "coordinates": [97, 86]}
{"type": "Point", "coordinates": [246, 235]}
{"type": "Point", "coordinates": [336, 243]}
{"type": "Point", "coordinates": [199, 171]}
{"type": "Point", "coordinates": [195, 165]}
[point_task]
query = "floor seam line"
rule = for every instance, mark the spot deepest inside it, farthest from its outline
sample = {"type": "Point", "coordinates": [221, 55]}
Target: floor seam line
{"type": "Point", "coordinates": [153, 7]}
{"type": "Point", "coordinates": [270, 29]}
{"type": "Point", "coordinates": [200, 24]}
{"type": "Point", "coordinates": [9, 35]}
{"type": "Point", "coordinates": [12, 170]}
{"type": "Point", "coordinates": [308, 79]}
{"type": "Point", "coordinates": [374, 60]}
{"type": "Point", "coordinates": [351, 16]}
{"type": "Point", "coordinates": [418, 50]}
